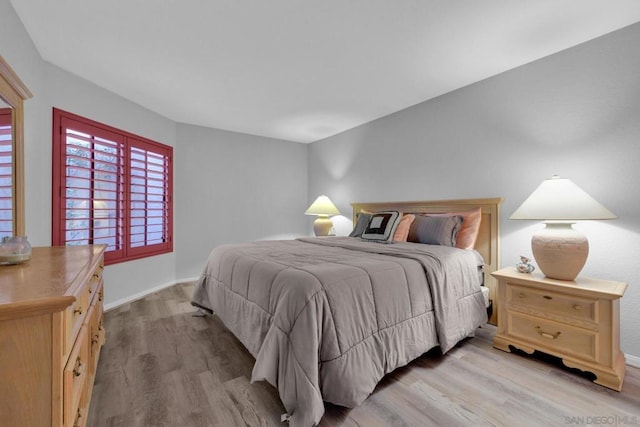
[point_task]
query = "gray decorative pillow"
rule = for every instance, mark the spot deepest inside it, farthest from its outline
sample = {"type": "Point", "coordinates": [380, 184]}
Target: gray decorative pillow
{"type": "Point", "coordinates": [435, 230]}
{"type": "Point", "coordinates": [361, 224]}
{"type": "Point", "coordinates": [382, 226]}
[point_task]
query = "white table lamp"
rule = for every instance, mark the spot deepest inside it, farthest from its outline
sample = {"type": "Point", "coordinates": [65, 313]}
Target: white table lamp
{"type": "Point", "coordinates": [323, 207]}
{"type": "Point", "coordinates": [559, 250]}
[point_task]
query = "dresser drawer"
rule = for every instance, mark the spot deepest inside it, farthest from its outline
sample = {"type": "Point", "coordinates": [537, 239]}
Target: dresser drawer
{"type": "Point", "coordinates": [546, 335]}
{"type": "Point", "coordinates": [100, 320]}
{"type": "Point", "coordinates": [95, 319]}
{"type": "Point", "coordinates": [98, 315]}
{"type": "Point", "coordinates": [552, 305]}
{"type": "Point", "coordinates": [95, 281]}
{"type": "Point", "coordinates": [74, 377]}
{"type": "Point", "coordinates": [94, 339]}
{"type": "Point", "coordinates": [74, 318]}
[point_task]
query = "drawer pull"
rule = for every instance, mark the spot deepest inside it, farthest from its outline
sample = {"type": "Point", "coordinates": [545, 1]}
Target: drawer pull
{"type": "Point", "coordinates": [547, 334]}
{"type": "Point", "coordinates": [77, 370]}
{"type": "Point", "coordinates": [522, 295]}
{"type": "Point", "coordinates": [547, 297]}
{"type": "Point", "coordinates": [577, 307]}
{"type": "Point", "coordinates": [78, 310]}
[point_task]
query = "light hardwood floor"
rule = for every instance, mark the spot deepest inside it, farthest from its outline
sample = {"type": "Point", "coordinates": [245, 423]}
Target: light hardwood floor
{"type": "Point", "coordinates": [161, 366]}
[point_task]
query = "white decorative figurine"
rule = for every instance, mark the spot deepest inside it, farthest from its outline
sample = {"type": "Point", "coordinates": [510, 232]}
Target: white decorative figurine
{"type": "Point", "coordinates": [525, 266]}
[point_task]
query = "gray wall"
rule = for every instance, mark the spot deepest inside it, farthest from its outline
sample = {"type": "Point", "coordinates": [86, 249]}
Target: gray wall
{"type": "Point", "coordinates": [576, 114]}
{"type": "Point", "coordinates": [71, 93]}
{"type": "Point", "coordinates": [233, 187]}
{"type": "Point", "coordinates": [51, 87]}
{"type": "Point", "coordinates": [19, 51]}
{"type": "Point", "coordinates": [228, 187]}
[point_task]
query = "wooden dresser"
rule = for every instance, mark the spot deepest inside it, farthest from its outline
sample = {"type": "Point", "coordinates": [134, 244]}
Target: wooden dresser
{"type": "Point", "coordinates": [578, 321]}
{"type": "Point", "coordinates": [51, 332]}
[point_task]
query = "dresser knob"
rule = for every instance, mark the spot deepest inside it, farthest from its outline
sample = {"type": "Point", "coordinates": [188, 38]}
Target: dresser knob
{"type": "Point", "coordinates": [77, 370]}
{"type": "Point", "coordinates": [76, 423]}
{"type": "Point", "coordinates": [577, 307]}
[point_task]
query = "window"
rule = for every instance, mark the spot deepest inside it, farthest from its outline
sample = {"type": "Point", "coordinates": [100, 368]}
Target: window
{"type": "Point", "coordinates": [6, 174]}
{"type": "Point", "coordinates": [110, 187]}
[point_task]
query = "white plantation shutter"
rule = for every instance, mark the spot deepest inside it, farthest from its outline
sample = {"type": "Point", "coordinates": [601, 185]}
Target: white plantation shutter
{"type": "Point", "coordinates": [94, 191]}
{"type": "Point", "coordinates": [6, 175]}
{"type": "Point", "coordinates": [149, 170]}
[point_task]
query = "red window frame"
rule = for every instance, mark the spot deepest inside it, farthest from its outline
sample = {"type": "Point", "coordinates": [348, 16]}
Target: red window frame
{"type": "Point", "coordinates": [119, 184]}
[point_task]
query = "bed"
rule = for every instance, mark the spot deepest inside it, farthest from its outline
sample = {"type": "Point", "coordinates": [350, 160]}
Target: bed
{"type": "Point", "coordinates": [327, 317]}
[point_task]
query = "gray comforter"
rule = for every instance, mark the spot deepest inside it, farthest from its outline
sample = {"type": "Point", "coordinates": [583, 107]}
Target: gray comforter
{"type": "Point", "coordinates": [327, 318]}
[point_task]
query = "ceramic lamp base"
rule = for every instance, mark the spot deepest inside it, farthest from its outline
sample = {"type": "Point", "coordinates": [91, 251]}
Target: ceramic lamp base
{"type": "Point", "coordinates": [322, 225]}
{"type": "Point", "coordinates": [560, 250]}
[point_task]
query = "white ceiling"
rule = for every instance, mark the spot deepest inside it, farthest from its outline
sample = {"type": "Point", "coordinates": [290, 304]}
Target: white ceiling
{"type": "Point", "coordinates": [303, 70]}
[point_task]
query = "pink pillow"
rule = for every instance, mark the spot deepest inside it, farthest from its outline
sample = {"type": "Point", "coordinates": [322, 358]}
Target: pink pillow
{"type": "Point", "coordinates": [468, 233]}
{"type": "Point", "coordinates": [402, 231]}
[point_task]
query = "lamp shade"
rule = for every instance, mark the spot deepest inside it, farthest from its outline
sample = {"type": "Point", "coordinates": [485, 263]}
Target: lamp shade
{"type": "Point", "coordinates": [560, 199]}
{"type": "Point", "coordinates": [322, 206]}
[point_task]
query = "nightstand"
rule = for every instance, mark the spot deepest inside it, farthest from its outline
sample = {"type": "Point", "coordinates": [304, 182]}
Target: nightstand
{"type": "Point", "coordinates": [577, 321]}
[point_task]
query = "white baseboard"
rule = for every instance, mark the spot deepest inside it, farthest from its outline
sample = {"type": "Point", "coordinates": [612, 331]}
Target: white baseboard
{"type": "Point", "coordinates": [188, 279]}
{"type": "Point", "coordinates": [632, 360]}
{"type": "Point", "coordinates": [144, 293]}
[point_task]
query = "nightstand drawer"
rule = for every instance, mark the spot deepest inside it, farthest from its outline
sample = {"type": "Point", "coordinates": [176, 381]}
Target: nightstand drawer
{"type": "Point", "coordinates": [552, 304]}
{"type": "Point", "coordinates": [557, 337]}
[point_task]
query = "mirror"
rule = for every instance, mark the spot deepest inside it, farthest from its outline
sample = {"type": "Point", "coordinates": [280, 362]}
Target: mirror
{"type": "Point", "coordinates": [12, 94]}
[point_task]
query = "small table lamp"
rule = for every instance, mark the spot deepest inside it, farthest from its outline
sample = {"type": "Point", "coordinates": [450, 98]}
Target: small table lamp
{"type": "Point", "coordinates": [323, 207]}
{"type": "Point", "coordinates": [559, 250]}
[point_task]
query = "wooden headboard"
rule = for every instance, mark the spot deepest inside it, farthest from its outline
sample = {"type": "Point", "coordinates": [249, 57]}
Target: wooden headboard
{"type": "Point", "coordinates": [488, 243]}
